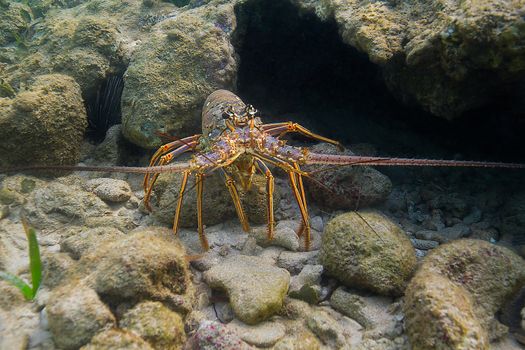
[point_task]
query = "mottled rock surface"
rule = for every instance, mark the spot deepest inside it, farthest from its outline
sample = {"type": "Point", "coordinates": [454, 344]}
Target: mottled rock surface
{"type": "Point", "coordinates": [53, 105]}
{"type": "Point", "coordinates": [76, 314]}
{"type": "Point", "coordinates": [255, 288]}
{"type": "Point", "coordinates": [367, 250]}
{"type": "Point", "coordinates": [346, 187]}
{"type": "Point", "coordinates": [117, 339]}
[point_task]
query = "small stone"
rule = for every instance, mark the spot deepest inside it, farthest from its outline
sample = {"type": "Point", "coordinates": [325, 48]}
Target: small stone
{"type": "Point", "coordinates": [284, 236]}
{"type": "Point", "coordinates": [423, 244]}
{"type": "Point", "coordinates": [155, 323]}
{"type": "Point", "coordinates": [474, 216]}
{"type": "Point", "coordinates": [4, 211]}
{"type": "Point", "coordinates": [309, 276]}
{"type": "Point", "coordinates": [457, 231]}
{"type": "Point", "coordinates": [54, 268]}
{"type": "Point", "coordinates": [430, 235]}
{"type": "Point", "coordinates": [264, 334]}
{"type": "Point", "coordinates": [256, 289]}
{"type": "Point", "coordinates": [109, 190]}
{"type": "Point", "coordinates": [317, 224]}
{"type": "Point", "coordinates": [294, 262]}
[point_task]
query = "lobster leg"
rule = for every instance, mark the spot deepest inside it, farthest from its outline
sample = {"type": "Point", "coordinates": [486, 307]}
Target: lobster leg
{"type": "Point", "coordinates": [148, 186]}
{"type": "Point", "coordinates": [269, 197]}
{"type": "Point", "coordinates": [230, 183]}
{"type": "Point", "coordinates": [281, 129]}
{"type": "Point", "coordinates": [199, 178]}
{"type": "Point", "coordinates": [186, 145]}
{"type": "Point", "coordinates": [179, 201]}
{"type": "Point", "coordinates": [305, 227]}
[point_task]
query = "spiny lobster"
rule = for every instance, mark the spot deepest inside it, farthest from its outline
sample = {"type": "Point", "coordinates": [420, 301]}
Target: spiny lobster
{"type": "Point", "coordinates": [235, 140]}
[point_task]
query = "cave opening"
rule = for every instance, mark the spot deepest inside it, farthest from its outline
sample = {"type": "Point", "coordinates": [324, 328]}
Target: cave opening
{"type": "Point", "coordinates": [295, 67]}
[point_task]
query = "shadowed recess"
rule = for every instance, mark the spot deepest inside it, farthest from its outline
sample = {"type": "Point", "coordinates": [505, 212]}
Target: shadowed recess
{"type": "Point", "coordinates": [295, 67]}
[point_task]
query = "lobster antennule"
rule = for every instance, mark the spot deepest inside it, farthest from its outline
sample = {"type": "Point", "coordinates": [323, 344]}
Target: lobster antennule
{"type": "Point", "coordinates": [171, 168]}
{"type": "Point", "coordinates": [334, 159]}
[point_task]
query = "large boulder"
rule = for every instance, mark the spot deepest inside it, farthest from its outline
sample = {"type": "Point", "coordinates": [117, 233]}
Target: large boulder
{"type": "Point", "coordinates": [452, 300]}
{"type": "Point", "coordinates": [185, 58]}
{"type": "Point", "coordinates": [367, 250]}
{"type": "Point", "coordinates": [43, 124]}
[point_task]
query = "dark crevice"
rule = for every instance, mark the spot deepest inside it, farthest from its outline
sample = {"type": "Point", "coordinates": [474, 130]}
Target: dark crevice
{"type": "Point", "coordinates": [103, 108]}
{"type": "Point", "coordinates": [295, 67]}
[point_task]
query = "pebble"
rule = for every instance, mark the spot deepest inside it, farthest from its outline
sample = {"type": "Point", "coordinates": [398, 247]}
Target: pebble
{"type": "Point", "coordinates": [424, 244]}
{"type": "Point", "coordinates": [110, 190]}
{"type": "Point", "coordinates": [295, 261]}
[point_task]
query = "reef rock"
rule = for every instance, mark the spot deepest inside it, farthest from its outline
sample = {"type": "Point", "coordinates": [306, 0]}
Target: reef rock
{"type": "Point", "coordinates": [367, 250]}
{"type": "Point", "coordinates": [155, 323]}
{"type": "Point", "coordinates": [146, 264]}
{"type": "Point", "coordinates": [452, 300]}
{"type": "Point", "coordinates": [214, 335]}
{"type": "Point", "coordinates": [76, 314]}
{"type": "Point", "coordinates": [255, 288]}
{"type": "Point", "coordinates": [117, 339]}
{"type": "Point", "coordinates": [43, 124]}
{"type": "Point", "coordinates": [217, 203]}
{"type": "Point", "coordinates": [185, 59]}
{"type": "Point", "coordinates": [447, 56]}
{"type": "Point", "coordinates": [346, 187]}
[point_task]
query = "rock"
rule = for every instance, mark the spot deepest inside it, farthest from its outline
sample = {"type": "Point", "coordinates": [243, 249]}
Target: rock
{"type": "Point", "coordinates": [217, 202]}
{"type": "Point", "coordinates": [255, 288]}
{"type": "Point", "coordinates": [109, 190]}
{"type": "Point", "coordinates": [55, 267]}
{"type": "Point", "coordinates": [109, 151]}
{"type": "Point", "coordinates": [153, 322]}
{"type": "Point", "coordinates": [213, 335]}
{"type": "Point", "coordinates": [197, 59]}
{"type": "Point", "coordinates": [514, 217]}
{"type": "Point", "coordinates": [284, 236]}
{"type": "Point", "coordinates": [295, 262]}
{"type": "Point", "coordinates": [301, 339]}
{"type": "Point", "coordinates": [76, 314]}
{"type": "Point", "coordinates": [116, 339]}
{"type": "Point", "coordinates": [481, 276]}
{"type": "Point", "coordinates": [58, 204]}
{"type": "Point", "coordinates": [146, 264]}
{"type": "Point", "coordinates": [265, 334]}
{"type": "Point", "coordinates": [306, 285]}
{"type": "Point", "coordinates": [440, 314]}
{"type": "Point", "coordinates": [457, 231]}
{"type": "Point", "coordinates": [53, 105]}
{"type": "Point", "coordinates": [369, 251]}
{"type": "Point", "coordinates": [346, 187]}
{"type": "Point", "coordinates": [327, 329]}
{"type": "Point", "coordinates": [84, 241]}
{"type": "Point", "coordinates": [369, 311]}
{"type": "Point", "coordinates": [429, 235]}
{"type": "Point", "coordinates": [14, 19]}
{"type": "Point", "coordinates": [10, 296]}
{"type": "Point", "coordinates": [423, 244]}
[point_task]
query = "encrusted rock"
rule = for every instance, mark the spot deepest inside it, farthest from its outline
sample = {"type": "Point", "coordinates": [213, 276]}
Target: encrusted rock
{"type": "Point", "coordinates": [440, 314]}
{"type": "Point", "coordinates": [255, 288]}
{"type": "Point", "coordinates": [55, 268]}
{"type": "Point", "coordinates": [294, 262]}
{"type": "Point", "coordinates": [327, 329]}
{"type": "Point", "coordinates": [306, 285]}
{"type": "Point", "coordinates": [81, 242]}
{"type": "Point", "coordinates": [469, 279]}
{"type": "Point", "coordinates": [155, 323]}
{"type": "Point", "coordinates": [109, 190]}
{"type": "Point", "coordinates": [117, 339]}
{"type": "Point", "coordinates": [145, 264]}
{"type": "Point", "coordinates": [53, 106]}
{"type": "Point", "coordinates": [367, 250]}
{"type": "Point", "coordinates": [346, 187]}
{"type": "Point", "coordinates": [76, 314]}
{"type": "Point", "coordinates": [284, 236]}
{"type": "Point", "coordinates": [197, 59]}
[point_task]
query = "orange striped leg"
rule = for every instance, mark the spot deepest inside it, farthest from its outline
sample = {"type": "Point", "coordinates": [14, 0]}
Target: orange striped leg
{"type": "Point", "coordinates": [165, 159]}
{"type": "Point", "coordinates": [302, 208]}
{"type": "Point", "coordinates": [179, 201]}
{"type": "Point", "coordinates": [281, 129]}
{"type": "Point", "coordinates": [189, 141]}
{"type": "Point", "coordinates": [303, 226]}
{"type": "Point", "coordinates": [199, 178]}
{"type": "Point", "coordinates": [230, 183]}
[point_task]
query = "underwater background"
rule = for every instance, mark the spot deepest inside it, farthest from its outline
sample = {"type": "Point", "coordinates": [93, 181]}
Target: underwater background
{"type": "Point", "coordinates": [399, 258]}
